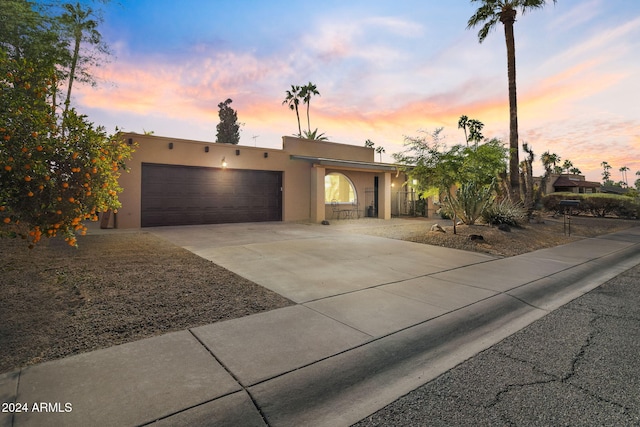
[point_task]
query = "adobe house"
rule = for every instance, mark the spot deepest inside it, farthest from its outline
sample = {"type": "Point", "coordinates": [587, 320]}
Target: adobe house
{"type": "Point", "coordinates": [572, 183]}
{"type": "Point", "coordinates": [183, 182]}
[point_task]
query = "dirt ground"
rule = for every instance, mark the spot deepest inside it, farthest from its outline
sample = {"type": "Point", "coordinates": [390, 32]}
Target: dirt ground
{"type": "Point", "coordinates": [56, 301]}
{"type": "Point", "coordinates": [546, 231]}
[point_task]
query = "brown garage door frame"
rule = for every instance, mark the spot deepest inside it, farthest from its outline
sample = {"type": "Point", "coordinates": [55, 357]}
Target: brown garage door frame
{"type": "Point", "coordinates": [190, 195]}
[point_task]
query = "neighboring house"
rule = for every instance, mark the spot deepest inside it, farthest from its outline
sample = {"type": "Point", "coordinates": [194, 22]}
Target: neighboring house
{"type": "Point", "coordinates": [181, 182]}
{"type": "Point", "coordinates": [568, 183]}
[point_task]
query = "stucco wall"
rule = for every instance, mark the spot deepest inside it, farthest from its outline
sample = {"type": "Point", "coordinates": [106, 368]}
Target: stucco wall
{"type": "Point", "coordinates": [333, 150]}
{"type": "Point", "coordinates": [302, 181]}
{"type": "Point", "coordinates": [155, 149]}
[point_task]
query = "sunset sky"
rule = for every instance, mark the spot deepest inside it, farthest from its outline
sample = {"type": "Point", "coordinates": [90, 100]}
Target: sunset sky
{"type": "Point", "coordinates": [385, 70]}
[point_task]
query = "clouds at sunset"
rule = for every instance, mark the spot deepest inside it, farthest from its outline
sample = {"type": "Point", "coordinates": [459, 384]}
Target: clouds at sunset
{"type": "Point", "coordinates": [384, 71]}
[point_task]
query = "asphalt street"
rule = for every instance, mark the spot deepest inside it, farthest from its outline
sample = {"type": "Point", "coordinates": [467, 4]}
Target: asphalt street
{"type": "Point", "coordinates": [577, 366]}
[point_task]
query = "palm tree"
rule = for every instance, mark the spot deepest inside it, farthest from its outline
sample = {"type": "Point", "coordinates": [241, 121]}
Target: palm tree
{"type": "Point", "coordinates": [306, 92]}
{"type": "Point", "coordinates": [548, 161]}
{"type": "Point", "coordinates": [567, 165]}
{"type": "Point", "coordinates": [81, 28]}
{"type": "Point", "coordinates": [488, 15]}
{"type": "Point", "coordinates": [293, 100]}
{"type": "Point", "coordinates": [624, 170]}
{"type": "Point", "coordinates": [380, 149]}
{"type": "Point", "coordinates": [475, 128]}
{"type": "Point", "coordinates": [462, 124]}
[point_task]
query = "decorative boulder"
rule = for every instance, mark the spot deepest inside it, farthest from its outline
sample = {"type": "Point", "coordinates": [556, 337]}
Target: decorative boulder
{"type": "Point", "coordinates": [436, 227]}
{"type": "Point", "coordinates": [476, 237]}
{"type": "Point", "coordinates": [325, 222]}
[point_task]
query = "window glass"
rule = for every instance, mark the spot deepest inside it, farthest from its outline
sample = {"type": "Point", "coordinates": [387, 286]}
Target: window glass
{"type": "Point", "coordinates": [339, 188]}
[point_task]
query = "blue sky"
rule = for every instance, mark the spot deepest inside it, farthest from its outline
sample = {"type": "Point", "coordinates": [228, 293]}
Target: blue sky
{"type": "Point", "coordinates": [384, 69]}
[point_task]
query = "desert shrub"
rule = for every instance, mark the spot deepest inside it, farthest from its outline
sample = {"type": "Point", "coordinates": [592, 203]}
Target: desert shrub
{"type": "Point", "coordinates": [505, 212]}
{"type": "Point", "coordinates": [470, 201]}
{"type": "Point", "coordinates": [445, 213]}
{"type": "Point", "coordinates": [598, 204]}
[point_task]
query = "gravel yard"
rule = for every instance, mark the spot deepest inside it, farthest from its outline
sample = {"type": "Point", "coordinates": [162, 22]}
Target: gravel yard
{"type": "Point", "coordinates": [56, 301]}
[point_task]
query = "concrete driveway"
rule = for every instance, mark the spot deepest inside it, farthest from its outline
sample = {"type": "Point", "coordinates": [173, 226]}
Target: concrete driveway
{"type": "Point", "coordinates": [307, 262]}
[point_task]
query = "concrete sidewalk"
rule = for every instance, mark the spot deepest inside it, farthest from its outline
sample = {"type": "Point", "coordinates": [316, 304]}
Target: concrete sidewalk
{"type": "Point", "coordinates": [375, 319]}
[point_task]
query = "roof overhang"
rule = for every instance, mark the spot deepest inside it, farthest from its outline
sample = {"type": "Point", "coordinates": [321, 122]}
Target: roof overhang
{"type": "Point", "coordinates": [348, 164]}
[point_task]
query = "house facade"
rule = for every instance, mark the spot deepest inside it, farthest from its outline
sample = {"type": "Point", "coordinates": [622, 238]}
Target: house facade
{"type": "Point", "coordinates": [572, 183]}
{"type": "Point", "coordinates": [184, 182]}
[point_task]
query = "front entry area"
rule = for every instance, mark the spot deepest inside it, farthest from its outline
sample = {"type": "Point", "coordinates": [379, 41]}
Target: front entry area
{"type": "Point", "coordinates": [188, 195]}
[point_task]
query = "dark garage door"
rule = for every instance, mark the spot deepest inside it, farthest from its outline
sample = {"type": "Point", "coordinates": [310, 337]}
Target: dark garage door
{"type": "Point", "coordinates": [185, 195]}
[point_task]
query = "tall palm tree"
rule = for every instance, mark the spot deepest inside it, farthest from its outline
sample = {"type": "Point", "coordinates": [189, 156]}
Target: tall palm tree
{"type": "Point", "coordinates": [293, 100]}
{"type": "Point", "coordinates": [462, 124]}
{"type": "Point", "coordinates": [488, 15]}
{"type": "Point", "coordinates": [81, 25]}
{"type": "Point", "coordinates": [306, 92]}
{"type": "Point", "coordinates": [624, 170]}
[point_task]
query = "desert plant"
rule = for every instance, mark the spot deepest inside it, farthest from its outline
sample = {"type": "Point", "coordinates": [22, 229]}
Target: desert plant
{"type": "Point", "coordinates": [505, 212]}
{"type": "Point", "coordinates": [314, 135]}
{"type": "Point", "coordinates": [599, 204]}
{"type": "Point", "coordinates": [469, 201]}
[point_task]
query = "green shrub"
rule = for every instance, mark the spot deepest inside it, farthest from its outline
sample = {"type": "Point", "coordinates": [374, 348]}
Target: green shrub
{"type": "Point", "coordinates": [597, 204]}
{"type": "Point", "coordinates": [505, 212]}
{"type": "Point", "coordinates": [445, 213]}
{"type": "Point", "coordinates": [470, 201]}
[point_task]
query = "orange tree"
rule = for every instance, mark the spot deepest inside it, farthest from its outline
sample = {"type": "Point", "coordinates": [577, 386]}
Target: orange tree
{"type": "Point", "coordinates": [55, 172]}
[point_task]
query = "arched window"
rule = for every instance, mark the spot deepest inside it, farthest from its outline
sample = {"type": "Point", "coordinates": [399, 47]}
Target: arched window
{"type": "Point", "coordinates": [339, 188]}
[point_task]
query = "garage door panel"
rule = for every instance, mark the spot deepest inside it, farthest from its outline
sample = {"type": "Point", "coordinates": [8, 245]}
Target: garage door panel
{"type": "Point", "coordinates": [184, 195]}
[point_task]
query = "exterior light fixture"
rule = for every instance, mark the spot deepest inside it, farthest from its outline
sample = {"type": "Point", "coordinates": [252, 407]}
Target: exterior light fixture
{"type": "Point", "coordinates": [130, 141]}
{"type": "Point", "coordinates": [171, 146]}
{"type": "Point", "coordinates": [237, 152]}
{"type": "Point", "coordinates": [224, 162]}
{"type": "Point", "coordinates": [206, 149]}
{"type": "Point", "coordinates": [415, 182]}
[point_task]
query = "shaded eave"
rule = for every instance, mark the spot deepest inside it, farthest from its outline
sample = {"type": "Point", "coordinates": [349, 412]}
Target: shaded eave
{"type": "Point", "coordinates": [348, 164]}
{"type": "Point", "coordinates": [566, 182]}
